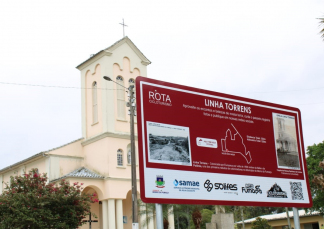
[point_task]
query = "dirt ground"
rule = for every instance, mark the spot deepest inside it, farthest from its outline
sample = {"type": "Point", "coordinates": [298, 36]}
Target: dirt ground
{"type": "Point", "coordinates": [288, 159]}
{"type": "Point", "coordinates": [169, 153]}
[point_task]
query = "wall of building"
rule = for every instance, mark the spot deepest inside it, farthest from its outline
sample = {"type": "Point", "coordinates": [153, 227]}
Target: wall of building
{"type": "Point", "coordinates": [278, 224]}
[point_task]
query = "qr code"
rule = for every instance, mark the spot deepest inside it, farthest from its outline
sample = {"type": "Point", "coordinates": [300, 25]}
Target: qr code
{"type": "Point", "coordinates": [296, 190]}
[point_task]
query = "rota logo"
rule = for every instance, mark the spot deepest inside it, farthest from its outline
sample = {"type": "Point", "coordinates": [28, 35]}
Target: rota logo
{"type": "Point", "coordinates": [159, 98]}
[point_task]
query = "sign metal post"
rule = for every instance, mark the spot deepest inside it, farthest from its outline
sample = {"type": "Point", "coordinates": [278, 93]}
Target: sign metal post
{"type": "Point", "coordinates": [159, 216]}
{"type": "Point", "coordinates": [296, 218]}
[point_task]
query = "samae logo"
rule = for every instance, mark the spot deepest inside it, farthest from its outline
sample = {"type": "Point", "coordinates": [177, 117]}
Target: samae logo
{"type": "Point", "coordinates": [185, 183]}
{"type": "Point", "coordinates": [159, 98]}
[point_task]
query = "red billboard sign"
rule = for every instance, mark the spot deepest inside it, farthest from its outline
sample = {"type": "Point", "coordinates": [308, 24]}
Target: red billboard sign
{"type": "Point", "coordinates": [204, 147]}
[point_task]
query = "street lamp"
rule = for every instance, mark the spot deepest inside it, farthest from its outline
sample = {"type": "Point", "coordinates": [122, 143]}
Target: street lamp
{"type": "Point", "coordinates": [131, 105]}
{"type": "Point", "coordinates": [107, 78]}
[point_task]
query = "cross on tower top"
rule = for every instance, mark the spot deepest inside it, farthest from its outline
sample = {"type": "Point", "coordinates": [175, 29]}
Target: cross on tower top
{"type": "Point", "coordinates": [123, 24]}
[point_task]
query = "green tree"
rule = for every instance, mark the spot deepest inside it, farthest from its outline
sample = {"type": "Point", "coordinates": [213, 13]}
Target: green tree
{"type": "Point", "coordinates": [182, 214]}
{"type": "Point", "coordinates": [28, 202]}
{"type": "Point", "coordinates": [315, 175]}
{"type": "Point", "coordinates": [260, 223]}
{"type": "Point", "coordinates": [206, 217]}
{"type": "Point", "coordinates": [252, 212]}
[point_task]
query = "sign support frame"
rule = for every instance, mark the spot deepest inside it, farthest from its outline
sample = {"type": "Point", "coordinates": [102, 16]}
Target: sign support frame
{"type": "Point", "coordinates": [282, 184]}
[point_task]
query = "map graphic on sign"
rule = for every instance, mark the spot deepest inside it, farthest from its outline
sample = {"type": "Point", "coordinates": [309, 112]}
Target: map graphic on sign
{"type": "Point", "coordinates": [233, 143]}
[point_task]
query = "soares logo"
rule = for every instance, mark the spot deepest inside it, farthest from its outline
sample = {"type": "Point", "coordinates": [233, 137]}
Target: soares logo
{"type": "Point", "coordinates": [185, 183]}
{"type": "Point", "coordinates": [219, 186]}
{"type": "Point", "coordinates": [159, 98]}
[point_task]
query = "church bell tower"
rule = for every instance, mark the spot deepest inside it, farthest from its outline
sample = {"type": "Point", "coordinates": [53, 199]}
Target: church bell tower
{"type": "Point", "coordinates": [103, 106]}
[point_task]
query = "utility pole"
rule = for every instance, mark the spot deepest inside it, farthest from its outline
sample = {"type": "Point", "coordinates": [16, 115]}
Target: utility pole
{"type": "Point", "coordinates": [132, 106]}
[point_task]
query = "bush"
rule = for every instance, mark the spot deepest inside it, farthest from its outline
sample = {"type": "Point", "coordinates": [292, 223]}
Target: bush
{"type": "Point", "coordinates": [260, 223]}
{"type": "Point", "coordinates": [28, 202]}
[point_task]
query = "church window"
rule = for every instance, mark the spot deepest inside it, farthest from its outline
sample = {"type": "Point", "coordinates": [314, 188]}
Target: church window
{"type": "Point", "coordinates": [121, 107]}
{"type": "Point", "coordinates": [131, 81]}
{"type": "Point", "coordinates": [120, 157]}
{"type": "Point", "coordinates": [94, 103]}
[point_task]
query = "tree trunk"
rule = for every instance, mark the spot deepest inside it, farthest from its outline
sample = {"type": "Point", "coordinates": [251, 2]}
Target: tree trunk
{"type": "Point", "coordinates": [242, 215]}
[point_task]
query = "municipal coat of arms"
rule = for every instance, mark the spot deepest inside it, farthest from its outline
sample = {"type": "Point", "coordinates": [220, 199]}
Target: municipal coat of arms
{"type": "Point", "coordinates": [159, 181]}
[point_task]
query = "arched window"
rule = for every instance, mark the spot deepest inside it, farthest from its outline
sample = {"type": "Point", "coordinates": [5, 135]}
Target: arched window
{"type": "Point", "coordinates": [121, 113]}
{"type": "Point", "coordinates": [94, 103]}
{"type": "Point", "coordinates": [120, 157]}
{"type": "Point", "coordinates": [131, 81]}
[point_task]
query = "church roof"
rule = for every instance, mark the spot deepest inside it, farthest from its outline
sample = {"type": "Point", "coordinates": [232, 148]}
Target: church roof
{"type": "Point", "coordinates": [82, 172]}
{"type": "Point", "coordinates": [35, 156]}
{"type": "Point", "coordinates": [116, 45]}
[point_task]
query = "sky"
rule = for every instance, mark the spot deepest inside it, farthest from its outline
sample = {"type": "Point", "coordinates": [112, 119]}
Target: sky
{"type": "Point", "coordinates": [268, 50]}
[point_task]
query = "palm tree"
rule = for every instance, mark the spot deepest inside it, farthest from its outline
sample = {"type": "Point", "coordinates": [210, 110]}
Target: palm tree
{"type": "Point", "coordinates": [322, 25]}
{"type": "Point", "coordinates": [196, 218]}
{"type": "Point", "coordinates": [182, 215]}
{"type": "Point", "coordinates": [146, 210]}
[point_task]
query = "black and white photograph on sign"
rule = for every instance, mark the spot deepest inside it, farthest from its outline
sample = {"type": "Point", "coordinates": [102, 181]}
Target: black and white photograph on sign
{"type": "Point", "coordinates": [168, 144]}
{"type": "Point", "coordinates": [286, 141]}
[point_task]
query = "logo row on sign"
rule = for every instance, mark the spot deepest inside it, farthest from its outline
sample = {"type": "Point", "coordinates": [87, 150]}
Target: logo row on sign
{"type": "Point", "coordinates": [275, 190]}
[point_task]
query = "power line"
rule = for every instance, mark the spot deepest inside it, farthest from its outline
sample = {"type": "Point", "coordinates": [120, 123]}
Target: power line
{"type": "Point", "coordinates": [307, 89]}
{"type": "Point", "coordinates": [38, 85]}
